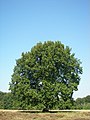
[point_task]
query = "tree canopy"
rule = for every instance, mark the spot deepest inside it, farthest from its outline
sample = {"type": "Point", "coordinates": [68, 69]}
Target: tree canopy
{"type": "Point", "coordinates": [46, 77]}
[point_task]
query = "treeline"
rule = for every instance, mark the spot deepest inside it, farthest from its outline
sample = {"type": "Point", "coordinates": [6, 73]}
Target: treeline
{"type": "Point", "coordinates": [8, 102]}
{"type": "Point", "coordinates": [83, 103]}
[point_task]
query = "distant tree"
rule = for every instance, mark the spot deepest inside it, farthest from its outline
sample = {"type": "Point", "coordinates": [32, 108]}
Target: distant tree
{"type": "Point", "coordinates": [6, 100]}
{"type": "Point", "coordinates": [46, 77]}
{"type": "Point", "coordinates": [1, 100]}
{"type": "Point", "coordinates": [86, 106]}
{"type": "Point", "coordinates": [87, 99]}
{"type": "Point", "coordinates": [83, 103]}
{"type": "Point", "coordinates": [79, 103]}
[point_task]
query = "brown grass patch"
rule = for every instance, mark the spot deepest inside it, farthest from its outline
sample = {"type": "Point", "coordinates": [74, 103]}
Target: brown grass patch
{"type": "Point", "coordinates": [10, 115]}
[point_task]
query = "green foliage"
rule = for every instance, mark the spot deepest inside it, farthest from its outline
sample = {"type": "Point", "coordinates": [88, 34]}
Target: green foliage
{"type": "Point", "coordinates": [86, 106]}
{"type": "Point", "coordinates": [46, 77]}
{"type": "Point", "coordinates": [1, 100]}
{"type": "Point", "coordinates": [6, 100]}
{"type": "Point", "coordinates": [83, 103]}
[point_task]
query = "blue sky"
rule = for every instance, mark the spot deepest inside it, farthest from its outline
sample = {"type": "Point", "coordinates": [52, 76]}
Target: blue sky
{"type": "Point", "coordinates": [23, 23]}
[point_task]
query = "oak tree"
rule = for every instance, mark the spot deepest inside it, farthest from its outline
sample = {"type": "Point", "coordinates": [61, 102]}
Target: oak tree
{"type": "Point", "coordinates": [46, 77]}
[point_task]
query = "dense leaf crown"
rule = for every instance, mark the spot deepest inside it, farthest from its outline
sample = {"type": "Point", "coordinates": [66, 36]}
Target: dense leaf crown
{"type": "Point", "coordinates": [49, 72]}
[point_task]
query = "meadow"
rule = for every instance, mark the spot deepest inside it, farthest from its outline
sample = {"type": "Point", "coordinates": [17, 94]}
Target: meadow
{"type": "Point", "coordinates": [65, 115]}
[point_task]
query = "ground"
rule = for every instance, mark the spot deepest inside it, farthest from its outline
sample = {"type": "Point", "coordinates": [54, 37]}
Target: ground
{"type": "Point", "coordinates": [18, 115]}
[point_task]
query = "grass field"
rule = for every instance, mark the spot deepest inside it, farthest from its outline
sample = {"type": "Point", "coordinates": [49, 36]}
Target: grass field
{"type": "Point", "coordinates": [18, 115]}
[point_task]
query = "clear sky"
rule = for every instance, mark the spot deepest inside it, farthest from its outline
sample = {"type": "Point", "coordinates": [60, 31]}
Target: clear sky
{"type": "Point", "coordinates": [23, 23]}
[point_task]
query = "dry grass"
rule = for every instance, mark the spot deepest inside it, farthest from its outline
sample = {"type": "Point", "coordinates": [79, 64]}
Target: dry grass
{"type": "Point", "coordinates": [10, 115]}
